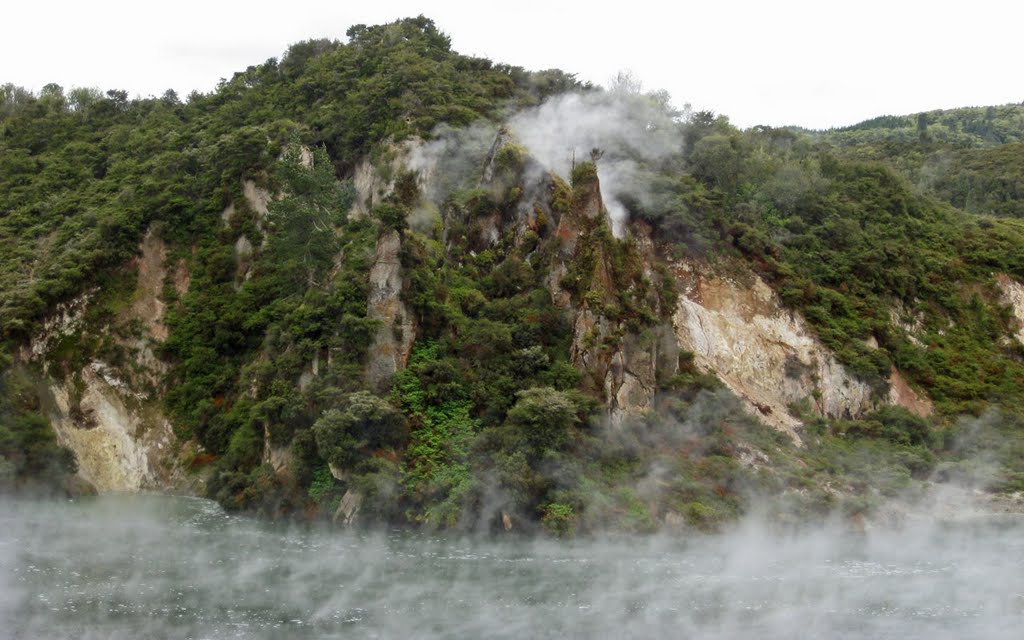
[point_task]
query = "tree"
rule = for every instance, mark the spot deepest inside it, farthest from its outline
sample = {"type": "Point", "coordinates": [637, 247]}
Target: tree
{"type": "Point", "coordinates": [626, 82]}
{"type": "Point", "coordinates": [544, 416]}
{"type": "Point", "coordinates": [364, 421]}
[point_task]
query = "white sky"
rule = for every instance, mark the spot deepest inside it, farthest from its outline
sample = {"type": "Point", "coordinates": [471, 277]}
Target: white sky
{"type": "Point", "coordinates": [813, 63]}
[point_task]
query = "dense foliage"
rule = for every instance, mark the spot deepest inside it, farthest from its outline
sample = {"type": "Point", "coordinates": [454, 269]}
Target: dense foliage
{"type": "Point", "coordinates": [885, 236]}
{"type": "Point", "coordinates": [854, 246]}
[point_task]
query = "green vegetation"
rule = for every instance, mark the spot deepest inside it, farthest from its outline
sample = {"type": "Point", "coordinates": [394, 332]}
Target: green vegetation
{"type": "Point", "coordinates": [29, 453]}
{"type": "Point", "coordinates": [884, 236]}
{"type": "Point", "coordinates": [969, 157]}
{"type": "Point", "coordinates": [851, 244]}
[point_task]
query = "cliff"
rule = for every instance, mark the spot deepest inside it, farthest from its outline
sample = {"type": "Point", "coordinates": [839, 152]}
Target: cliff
{"type": "Point", "coordinates": [311, 294]}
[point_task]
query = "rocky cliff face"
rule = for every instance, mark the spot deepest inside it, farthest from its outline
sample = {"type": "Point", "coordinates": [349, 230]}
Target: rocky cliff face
{"type": "Point", "coordinates": [1013, 296]}
{"type": "Point", "coordinates": [393, 342]}
{"type": "Point", "coordinates": [374, 180]}
{"type": "Point", "coordinates": [121, 441]}
{"type": "Point", "coordinates": [735, 326]}
{"type": "Point", "coordinates": [765, 354]}
{"type": "Point", "coordinates": [618, 362]}
{"type": "Point", "coordinates": [110, 416]}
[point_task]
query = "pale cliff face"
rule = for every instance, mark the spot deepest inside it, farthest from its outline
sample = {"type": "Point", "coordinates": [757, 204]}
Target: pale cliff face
{"type": "Point", "coordinates": [737, 328]}
{"type": "Point", "coordinates": [120, 446]}
{"type": "Point", "coordinates": [393, 343]}
{"type": "Point", "coordinates": [113, 419]}
{"type": "Point", "coordinates": [767, 355]}
{"type": "Point", "coordinates": [1013, 296]}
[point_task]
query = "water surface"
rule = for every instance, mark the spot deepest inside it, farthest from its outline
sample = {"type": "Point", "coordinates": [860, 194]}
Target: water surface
{"type": "Point", "coordinates": [158, 566]}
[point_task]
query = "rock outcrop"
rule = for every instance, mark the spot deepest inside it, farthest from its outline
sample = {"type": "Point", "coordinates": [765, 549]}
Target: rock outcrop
{"type": "Point", "coordinates": [110, 416]}
{"type": "Point", "coordinates": [1013, 296]}
{"type": "Point", "coordinates": [374, 181]}
{"type": "Point", "coordinates": [618, 364]}
{"type": "Point", "coordinates": [147, 303]}
{"type": "Point", "coordinates": [348, 508]}
{"type": "Point", "coordinates": [765, 354]}
{"type": "Point", "coordinates": [392, 343]}
{"type": "Point", "coordinates": [120, 444]}
{"type": "Point", "coordinates": [256, 197]}
{"type": "Point", "coordinates": [903, 395]}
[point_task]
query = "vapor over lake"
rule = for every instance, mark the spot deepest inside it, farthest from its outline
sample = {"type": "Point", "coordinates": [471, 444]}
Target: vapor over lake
{"type": "Point", "coordinates": [157, 566]}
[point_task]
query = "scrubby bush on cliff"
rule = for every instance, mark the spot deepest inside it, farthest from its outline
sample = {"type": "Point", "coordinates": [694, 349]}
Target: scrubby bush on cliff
{"type": "Point", "coordinates": [362, 421]}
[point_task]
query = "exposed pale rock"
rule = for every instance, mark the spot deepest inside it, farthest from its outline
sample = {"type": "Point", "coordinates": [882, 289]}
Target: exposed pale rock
{"type": "Point", "coordinates": [119, 444]}
{"type": "Point", "coordinates": [306, 157]}
{"type": "Point", "coordinates": [348, 509]}
{"type": "Point", "coordinates": [257, 197]}
{"type": "Point", "coordinates": [901, 394]}
{"type": "Point", "coordinates": [307, 376]}
{"type": "Point", "coordinates": [147, 303]}
{"type": "Point", "coordinates": [243, 248]}
{"type": "Point", "coordinates": [754, 458]}
{"type": "Point", "coordinates": [631, 379]}
{"type": "Point", "coordinates": [766, 355]}
{"type": "Point", "coordinates": [912, 324]}
{"type": "Point", "coordinates": [372, 184]}
{"type": "Point", "coordinates": [65, 321]}
{"type": "Point", "coordinates": [182, 278]}
{"type": "Point", "coordinates": [392, 344]}
{"type": "Point", "coordinates": [280, 458]}
{"type": "Point", "coordinates": [1013, 296]}
{"type": "Point", "coordinates": [559, 296]}
{"type": "Point", "coordinates": [674, 520]}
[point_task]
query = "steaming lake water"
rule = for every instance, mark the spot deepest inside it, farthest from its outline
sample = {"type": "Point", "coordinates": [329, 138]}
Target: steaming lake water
{"type": "Point", "coordinates": [165, 567]}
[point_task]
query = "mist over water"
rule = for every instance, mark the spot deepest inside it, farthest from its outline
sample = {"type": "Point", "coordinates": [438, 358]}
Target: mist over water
{"type": "Point", "coordinates": [157, 566]}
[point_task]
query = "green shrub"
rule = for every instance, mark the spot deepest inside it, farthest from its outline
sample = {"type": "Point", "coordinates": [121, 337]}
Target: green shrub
{"type": "Point", "coordinates": [559, 520]}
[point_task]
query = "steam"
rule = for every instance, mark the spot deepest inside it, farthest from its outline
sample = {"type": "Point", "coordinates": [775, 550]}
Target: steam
{"type": "Point", "coordinates": [149, 566]}
{"type": "Point", "coordinates": [453, 158]}
{"type": "Point", "coordinates": [633, 131]}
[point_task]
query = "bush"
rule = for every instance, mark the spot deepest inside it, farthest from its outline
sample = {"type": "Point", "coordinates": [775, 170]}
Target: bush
{"type": "Point", "coordinates": [391, 216]}
{"type": "Point", "coordinates": [899, 426]}
{"type": "Point", "coordinates": [544, 416]}
{"type": "Point", "coordinates": [559, 520]}
{"type": "Point", "coordinates": [363, 421]}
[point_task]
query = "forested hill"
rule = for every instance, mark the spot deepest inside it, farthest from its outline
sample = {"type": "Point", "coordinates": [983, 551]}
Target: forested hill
{"type": "Point", "coordinates": [971, 157]}
{"type": "Point", "coordinates": [380, 281]}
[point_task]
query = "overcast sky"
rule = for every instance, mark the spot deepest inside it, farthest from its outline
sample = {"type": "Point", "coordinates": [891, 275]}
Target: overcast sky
{"type": "Point", "coordinates": [811, 63]}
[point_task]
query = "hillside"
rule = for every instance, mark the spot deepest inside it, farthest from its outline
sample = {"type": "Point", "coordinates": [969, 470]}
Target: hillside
{"type": "Point", "coordinates": [971, 157]}
{"type": "Point", "coordinates": [379, 281]}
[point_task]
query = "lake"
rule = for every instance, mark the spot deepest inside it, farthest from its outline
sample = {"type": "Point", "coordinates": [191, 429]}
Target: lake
{"type": "Point", "coordinates": [150, 566]}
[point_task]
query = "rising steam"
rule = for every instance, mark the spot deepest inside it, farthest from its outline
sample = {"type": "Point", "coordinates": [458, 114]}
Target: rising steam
{"type": "Point", "coordinates": [635, 133]}
{"type": "Point", "coordinates": [163, 567]}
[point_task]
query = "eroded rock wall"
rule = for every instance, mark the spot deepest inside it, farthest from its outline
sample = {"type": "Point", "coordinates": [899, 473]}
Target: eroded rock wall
{"type": "Point", "coordinates": [110, 416]}
{"type": "Point", "coordinates": [1013, 296]}
{"type": "Point", "coordinates": [120, 443]}
{"type": "Point", "coordinates": [765, 354]}
{"type": "Point", "coordinates": [392, 343]}
{"type": "Point", "coordinates": [374, 181]}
